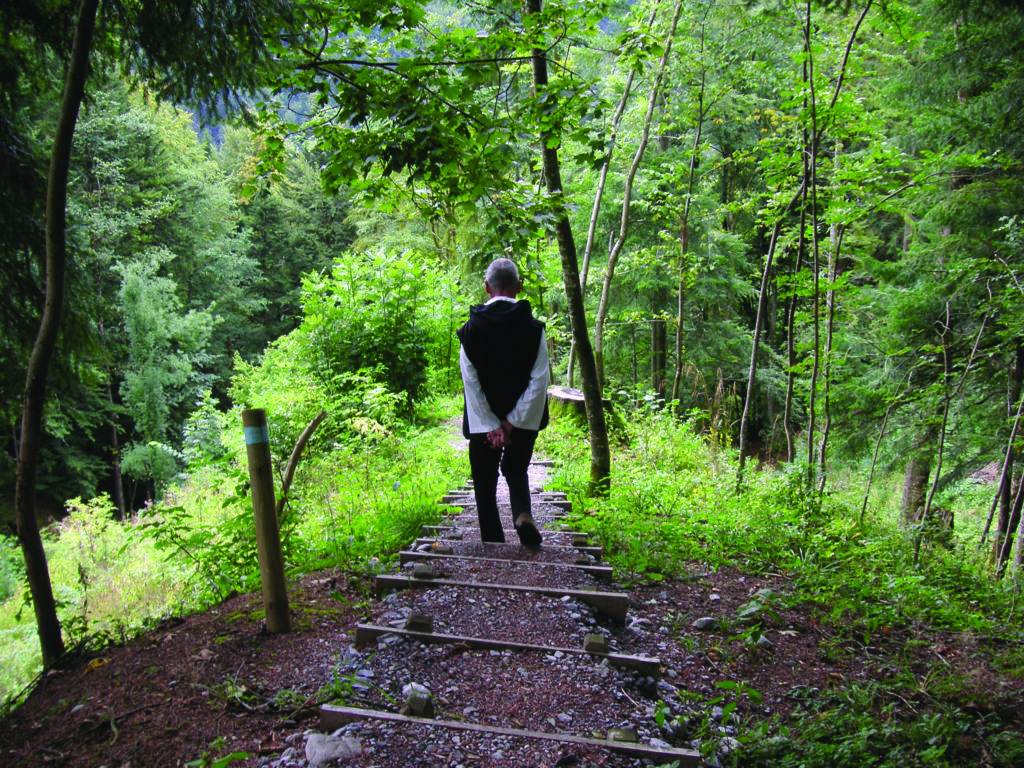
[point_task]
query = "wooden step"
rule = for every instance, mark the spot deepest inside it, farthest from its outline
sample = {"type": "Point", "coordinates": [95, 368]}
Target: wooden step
{"type": "Point", "coordinates": [597, 552]}
{"type": "Point", "coordinates": [614, 605]}
{"type": "Point", "coordinates": [601, 571]}
{"type": "Point", "coordinates": [333, 717]}
{"type": "Point", "coordinates": [366, 633]}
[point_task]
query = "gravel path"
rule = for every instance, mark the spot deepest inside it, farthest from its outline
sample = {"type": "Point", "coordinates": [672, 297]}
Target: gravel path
{"type": "Point", "coordinates": [548, 691]}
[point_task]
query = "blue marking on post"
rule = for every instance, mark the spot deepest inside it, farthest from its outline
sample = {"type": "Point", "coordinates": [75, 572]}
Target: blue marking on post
{"type": "Point", "coordinates": [257, 435]}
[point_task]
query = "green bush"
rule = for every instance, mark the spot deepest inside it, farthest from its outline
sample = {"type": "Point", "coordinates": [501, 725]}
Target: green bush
{"type": "Point", "coordinates": [376, 311]}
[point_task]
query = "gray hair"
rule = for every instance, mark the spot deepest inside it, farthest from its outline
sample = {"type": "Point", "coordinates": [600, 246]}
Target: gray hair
{"type": "Point", "coordinates": [502, 275]}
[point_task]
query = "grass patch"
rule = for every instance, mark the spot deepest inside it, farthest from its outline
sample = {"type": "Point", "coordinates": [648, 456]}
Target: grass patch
{"type": "Point", "coordinates": [673, 504]}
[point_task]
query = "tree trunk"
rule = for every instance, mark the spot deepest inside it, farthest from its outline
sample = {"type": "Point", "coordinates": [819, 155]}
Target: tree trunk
{"type": "Point", "coordinates": [1004, 525]}
{"type": "Point", "coordinates": [602, 178]}
{"type": "Point", "coordinates": [948, 396]}
{"type": "Point", "coordinates": [915, 483]}
{"type": "Point", "coordinates": [684, 231]}
{"type": "Point", "coordinates": [115, 449]}
{"type": "Point", "coordinates": [836, 244]}
{"type": "Point", "coordinates": [815, 260]}
{"type": "Point", "coordinates": [791, 354]}
{"type": "Point", "coordinates": [659, 338]}
{"type": "Point", "coordinates": [874, 463]}
{"type": "Point", "coordinates": [600, 454]}
{"type": "Point", "coordinates": [1015, 517]}
{"type": "Point", "coordinates": [627, 195]}
{"type": "Point", "coordinates": [750, 382]}
{"type": "Point", "coordinates": [758, 322]}
{"type": "Point", "coordinates": [1018, 561]}
{"type": "Point", "coordinates": [42, 351]}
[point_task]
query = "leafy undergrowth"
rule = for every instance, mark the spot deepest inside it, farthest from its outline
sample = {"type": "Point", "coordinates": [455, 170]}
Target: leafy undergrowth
{"type": "Point", "coordinates": [941, 641]}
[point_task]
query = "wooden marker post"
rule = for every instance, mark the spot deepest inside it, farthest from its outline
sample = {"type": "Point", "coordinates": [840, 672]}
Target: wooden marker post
{"type": "Point", "coordinates": [268, 538]}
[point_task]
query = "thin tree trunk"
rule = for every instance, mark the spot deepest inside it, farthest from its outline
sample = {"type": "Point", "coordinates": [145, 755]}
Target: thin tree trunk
{"type": "Point", "coordinates": [1004, 500]}
{"type": "Point", "coordinates": [42, 351]}
{"type": "Point", "coordinates": [758, 322]}
{"type": "Point", "coordinates": [915, 481]}
{"type": "Point", "coordinates": [945, 418]}
{"type": "Point", "coordinates": [878, 444]}
{"type": "Point", "coordinates": [1015, 517]}
{"type": "Point", "coordinates": [836, 239]}
{"type": "Point", "coordinates": [600, 454]}
{"type": "Point", "coordinates": [632, 346]}
{"type": "Point", "coordinates": [835, 96]}
{"type": "Point", "coordinates": [1018, 561]}
{"type": "Point", "coordinates": [602, 178]}
{"type": "Point", "coordinates": [627, 195]}
{"type": "Point", "coordinates": [115, 449]}
{"type": "Point", "coordinates": [658, 354]}
{"type": "Point", "coordinates": [1005, 524]}
{"type": "Point", "coordinates": [815, 261]}
{"type": "Point", "coordinates": [684, 229]}
{"type": "Point", "coordinates": [787, 417]}
{"type": "Point", "coordinates": [1007, 459]}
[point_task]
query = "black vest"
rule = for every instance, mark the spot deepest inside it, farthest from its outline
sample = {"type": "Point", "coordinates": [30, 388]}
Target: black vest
{"type": "Point", "coordinates": [501, 340]}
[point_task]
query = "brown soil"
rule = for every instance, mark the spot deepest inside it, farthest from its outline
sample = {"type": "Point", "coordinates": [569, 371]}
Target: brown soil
{"type": "Point", "coordinates": [162, 699]}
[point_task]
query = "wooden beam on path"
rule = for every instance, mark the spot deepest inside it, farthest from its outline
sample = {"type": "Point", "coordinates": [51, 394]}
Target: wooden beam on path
{"type": "Point", "coordinates": [614, 605]}
{"type": "Point", "coordinates": [333, 717]}
{"type": "Point", "coordinates": [366, 633]}
{"type": "Point", "coordinates": [602, 571]}
{"type": "Point", "coordinates": [595, 551]}
{"type": "Point", "coordinates": [458, 498]}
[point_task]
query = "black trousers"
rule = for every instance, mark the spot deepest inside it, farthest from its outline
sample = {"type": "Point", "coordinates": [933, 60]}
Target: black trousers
{"type": "Point", "coordinates": [514, 461]}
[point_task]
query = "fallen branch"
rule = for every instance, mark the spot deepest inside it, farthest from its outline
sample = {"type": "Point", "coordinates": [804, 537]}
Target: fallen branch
{"type": "Point", "coordinates": [293, 461]}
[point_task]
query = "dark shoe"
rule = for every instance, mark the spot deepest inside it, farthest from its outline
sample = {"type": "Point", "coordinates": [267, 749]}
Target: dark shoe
{"type": "Point", "coordinates": [529, 536]}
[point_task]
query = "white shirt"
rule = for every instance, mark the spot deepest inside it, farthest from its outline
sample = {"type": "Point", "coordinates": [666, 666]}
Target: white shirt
{"type": "Point", "coordinates": [529, 409]}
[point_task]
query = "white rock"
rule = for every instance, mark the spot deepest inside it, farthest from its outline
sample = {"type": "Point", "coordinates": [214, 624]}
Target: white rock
{"type": "Point", "coordinates": [321, 749]}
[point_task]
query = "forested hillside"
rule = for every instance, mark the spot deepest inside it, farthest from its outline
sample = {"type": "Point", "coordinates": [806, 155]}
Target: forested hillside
{"type": "Point", "coordinates": [781, 242]}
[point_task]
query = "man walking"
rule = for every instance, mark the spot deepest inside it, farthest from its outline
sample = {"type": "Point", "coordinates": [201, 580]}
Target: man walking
{"type": "Point", "coordinates": [504, 364]}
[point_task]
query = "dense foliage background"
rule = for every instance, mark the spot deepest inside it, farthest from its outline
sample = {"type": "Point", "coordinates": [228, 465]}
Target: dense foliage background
{"type": "Point", "coordinates": [845, 178]}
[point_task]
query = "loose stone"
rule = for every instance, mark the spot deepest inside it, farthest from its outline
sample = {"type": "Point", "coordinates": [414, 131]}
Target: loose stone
{"type": "Point", "coordinates": [705, 622]}
{"type": "Point", "coordinates": [419, 622]}
{"type": "Point", "coordinates": [595, 643]}
{"type": "Point", "coordinates": [418, 700]}
{"type": "Point", "coordinates": [422, 571]}
{"type": "Point", "coordinates": [321, 748]}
